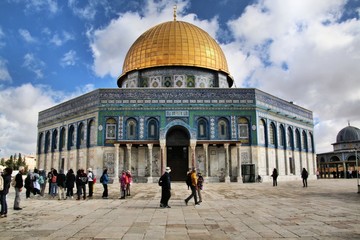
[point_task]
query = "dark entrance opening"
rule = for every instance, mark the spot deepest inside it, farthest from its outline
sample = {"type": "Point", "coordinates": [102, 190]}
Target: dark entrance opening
{"type": "Point", "coordinates": [248, 172]}
{"type": "Point", "coordinates": [177, 142]}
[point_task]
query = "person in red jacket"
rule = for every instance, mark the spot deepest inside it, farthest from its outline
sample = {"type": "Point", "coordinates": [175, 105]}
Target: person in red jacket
{"type": "Point", "coordinates": [124, 180]}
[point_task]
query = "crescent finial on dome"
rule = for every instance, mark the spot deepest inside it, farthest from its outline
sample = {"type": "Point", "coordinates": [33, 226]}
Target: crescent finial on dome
{"type": "Point", "coordinates": [175, 7]}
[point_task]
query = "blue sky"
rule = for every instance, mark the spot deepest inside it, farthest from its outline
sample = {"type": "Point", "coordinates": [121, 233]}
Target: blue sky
{"type": "Point", "coordinates": [303, 51]}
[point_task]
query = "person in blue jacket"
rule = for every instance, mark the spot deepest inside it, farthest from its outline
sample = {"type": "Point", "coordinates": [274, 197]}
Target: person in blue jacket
{"type": "Point", "coordinates": [104, 179]}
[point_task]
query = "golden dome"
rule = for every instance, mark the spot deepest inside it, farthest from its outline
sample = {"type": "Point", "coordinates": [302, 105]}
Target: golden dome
{"type": "Point", "coordinates": [175, 43]}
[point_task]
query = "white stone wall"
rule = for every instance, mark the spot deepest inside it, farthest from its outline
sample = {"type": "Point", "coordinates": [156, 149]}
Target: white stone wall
{"type": "Point", "coordinates": [264, 160]}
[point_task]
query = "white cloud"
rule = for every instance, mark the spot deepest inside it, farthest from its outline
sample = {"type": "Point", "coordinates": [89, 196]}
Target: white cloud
{"type": "Point", "coordinates": [41, 5]}
{"type": "Point", "coordinates": [25, 34]}
{"type": "Point", "coordinates": [69, 59]}
{"type": "Point", "coordinates": [301, 51]}
{"type": "Point", "coordinates": [34, 65]}
{"type": "Point", "coordinates": [19, 108]}
{"type": "Point", "coordinates": [88, 12]}
{"type": "Point", "coordinates": [2, 35]}
{"type": "Point", "coordinates": [4, 72]}
{"type": "Point", "coordinates": [60, 39]}
{"type": "Point", "coordinates": [110, 44]}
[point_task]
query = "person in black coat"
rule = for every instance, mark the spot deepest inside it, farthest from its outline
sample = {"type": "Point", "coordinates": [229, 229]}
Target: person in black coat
{"type": "Point", "coordinates": [19, 184]}
{"type": "Point", "coordinates": [81, 181]}
{"type": "Point", "coordinates": [70, 183]}
{"type": "Point", "coordinates": [7, 179]}
{"type": "Point", "coordinates": [274, 176]}
{"type": "Point", "coordinates": [165, 183]}
{"type": "Point", "coordinates": [304, 176]}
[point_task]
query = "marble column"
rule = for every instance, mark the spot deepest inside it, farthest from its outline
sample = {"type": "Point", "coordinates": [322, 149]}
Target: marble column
{"type": "Point", "coordinates": [193, 146]}
{"type": "Point", "coordinates": [162, 155]}
{"type": "Point", "coordinates": [150, 178]}
{"type": "Point", "coordinates": [238, 156]}
{"type": "Point", "coordinates": [227, 162]}
{"type": "Point", "coordinates": [128, 146]}
{"type": "Point", "coordinates": [206, 167]}
{"type": "Point", "coordinates": [116, 163]}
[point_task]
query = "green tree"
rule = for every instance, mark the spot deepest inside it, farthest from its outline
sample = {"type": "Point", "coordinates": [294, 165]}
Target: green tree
{"type": "Point", "coordinates": [20, 162]}
{"type": "Point", "coordinates": [2, 162]}
{"type": "Point", "coordinates": [10, 163]}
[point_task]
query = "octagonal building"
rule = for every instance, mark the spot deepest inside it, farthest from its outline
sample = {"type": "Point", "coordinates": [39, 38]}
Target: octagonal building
{"type": "Point", "coordinates": [174, 106]}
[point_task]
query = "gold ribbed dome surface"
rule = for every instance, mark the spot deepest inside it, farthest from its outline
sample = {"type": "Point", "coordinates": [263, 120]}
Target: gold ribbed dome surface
{"type": "Point", "coordinates": [175, 43]}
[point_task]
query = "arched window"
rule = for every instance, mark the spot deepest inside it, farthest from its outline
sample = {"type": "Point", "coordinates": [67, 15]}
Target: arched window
{"type": "Point", "coordinates": [131, 129]}
{"type": "Point", "coordinates": [262, 131]}
{"type": "Point", "coordinates": [153, 132]}
{"type": "Point", "coordinates": [47, 142]}
{"type": "Point", "coordinates": [110, 128]}
{"type": "Point", "coordinates": [223, 129]}
{"type": "Point", "coordinates": [304, 141]}
{"type": "Point", "coordinates": [311, 143]}
{"type": "Point", "coordinates": [54, 140]}
{"type": "Point", "coordinates": [91, 133]}
{"type": "Point", "coordinates": [272, 134]}
{"type": "Point", "coordinates": [282, 136]}
{"type": "Point", "coordinates": [40, 145]}
{"type": "Point", "coordinates": [298, 139]}
{"type": "Point", "coordinates": [62, 139]}
{"type": "Point", "coordinates": [243, 126]}
{"type": "Point", "coordinates": [202, 129]}
{"type": "Point", "coordinates": [71, 137]}
{"type": "Point", "coordinates": [290, 138]}
{"type": "Point", "coordinates": [81, 136]}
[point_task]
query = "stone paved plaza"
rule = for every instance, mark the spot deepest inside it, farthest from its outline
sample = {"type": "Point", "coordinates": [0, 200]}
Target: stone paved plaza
{"type": "Point", "coordinates": [327, 209]}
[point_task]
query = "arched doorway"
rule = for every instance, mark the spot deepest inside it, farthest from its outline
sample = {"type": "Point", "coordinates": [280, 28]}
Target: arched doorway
{"type": "Point", "coordinates": [177, 145]}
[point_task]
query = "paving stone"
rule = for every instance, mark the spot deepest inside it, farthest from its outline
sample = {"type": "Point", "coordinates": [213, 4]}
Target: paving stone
{"type": "Point", "coordinates": [327, 209]}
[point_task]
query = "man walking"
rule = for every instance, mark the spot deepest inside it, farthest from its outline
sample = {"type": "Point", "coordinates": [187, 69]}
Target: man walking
{"type": "Point", "coordinates": [193, 187]}
{"type": "Point", "coordinates": [165, 183]}
{"type": "Point", "coordinates": [304, 176]}
{"type": "Point", "coordinates": [19, 184]}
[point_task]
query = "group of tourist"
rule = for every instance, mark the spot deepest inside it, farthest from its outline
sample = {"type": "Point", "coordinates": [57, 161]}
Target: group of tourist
{"type": "Point", "coordinates": [60, 184]}
{"type": "Point", "coordinates": [125, 181]}
{"type": "Point", "coordinates": [194, 182]}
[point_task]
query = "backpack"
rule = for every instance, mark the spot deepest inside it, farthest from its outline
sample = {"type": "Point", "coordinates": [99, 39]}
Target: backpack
{"type": "Point", "coordinates": [84, 179]}
{"type": "Point", "coordinates": [1, 183]}
{"type": "Point", "coordinates": [13, 181]}
{"type": "Point", "coordinates": [28, 182]}
{"type": "Point", "coordinates": [41, 179]}
{"type": "Point", "coordinates": [94, 178]}
{"type": "Point", "coordinates": [102, 179]}
{"type": "Point", "coordinates": [53, 179]}
{"type": "Point", "coordinates": [188, 180]}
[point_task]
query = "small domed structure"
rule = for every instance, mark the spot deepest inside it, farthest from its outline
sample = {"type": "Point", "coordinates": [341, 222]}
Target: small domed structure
{"type": "Point", "coordinates": [348, 134]}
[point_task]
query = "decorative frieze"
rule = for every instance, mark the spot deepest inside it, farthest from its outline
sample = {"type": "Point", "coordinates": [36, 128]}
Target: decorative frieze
{"type": "Point", "coordinates": [233, 127]}
{"type": "Point", "coordinates": [116, 98]}
{"type": "Point", "coordinates": [121, 127]}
